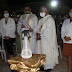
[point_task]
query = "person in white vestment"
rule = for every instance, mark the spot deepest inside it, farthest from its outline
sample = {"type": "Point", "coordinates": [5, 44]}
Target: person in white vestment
{"type": "Point", "coordinates": [48, 38]}
{"type": "Point", "coordinates": [32, 20]}
{"type": "Point", "coordinates": [8, 28]}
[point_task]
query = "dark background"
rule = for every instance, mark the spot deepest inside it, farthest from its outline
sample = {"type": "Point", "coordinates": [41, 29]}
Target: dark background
{"type": "Point", "coordinates": [18, 5]}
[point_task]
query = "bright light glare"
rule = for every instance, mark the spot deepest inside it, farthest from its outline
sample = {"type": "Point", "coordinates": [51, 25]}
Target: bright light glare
{"type": "Point", "coordinates": [53, 3]}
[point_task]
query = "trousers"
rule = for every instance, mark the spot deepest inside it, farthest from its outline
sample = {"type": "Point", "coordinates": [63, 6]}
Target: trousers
{"type": "Point", "coordinates": [8, 45]}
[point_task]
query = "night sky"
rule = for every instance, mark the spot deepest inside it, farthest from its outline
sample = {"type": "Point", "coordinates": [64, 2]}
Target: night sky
{"type": "Point", "coordinates": [13, 5]}
{"type": "Point", "coordinates": [21, 3]}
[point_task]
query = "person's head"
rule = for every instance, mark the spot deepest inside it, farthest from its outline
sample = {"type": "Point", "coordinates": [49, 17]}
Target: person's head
{"type": "Point", "coordinates": [70, 13]}
{"type": "Point", "coordinates": [44, 11]}
{"type": "Point", "coordinates": [6, 13]}
{"type": "Point", "coordinates": [14, 14]}
{"type": "Point", "coordinates": [66, 16]}
{"type": "Point", "coordinates": [27, 9]}
{"type": "Point", "coordinates": [59, 16]}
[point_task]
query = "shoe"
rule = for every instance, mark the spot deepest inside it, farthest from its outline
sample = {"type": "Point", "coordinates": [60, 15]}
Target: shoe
{"type": "Point", "coordinates": [48, 70]}
{"type": "Point", "coordinates": [42, 68]}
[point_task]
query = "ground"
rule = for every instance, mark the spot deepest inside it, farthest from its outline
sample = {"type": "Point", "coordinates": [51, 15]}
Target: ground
{"type": "Point", "coordinates": [61, 67]}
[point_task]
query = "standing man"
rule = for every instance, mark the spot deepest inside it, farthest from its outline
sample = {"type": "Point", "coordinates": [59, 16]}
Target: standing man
{"type": "Point", "coordinates": [8, 29]}
{"type": "Point", "coordinates": [48, 38]}
{"type": "Point", "coordinates": [66, 34]}
{"type": "Point", "coordinates": [31, 19]}
{"type": "Point", "coordinates": [18, 44]}
{"type": "Point", "coordinates": [14, 16]}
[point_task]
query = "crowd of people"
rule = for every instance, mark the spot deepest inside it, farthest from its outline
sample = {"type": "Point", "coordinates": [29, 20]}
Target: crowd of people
{"type": "Point", "coordinates": [43, 38]}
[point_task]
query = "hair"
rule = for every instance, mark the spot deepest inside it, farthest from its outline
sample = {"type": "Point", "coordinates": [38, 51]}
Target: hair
{"type": "Point", "coordinates": [6, 10]}
{"type": "Point", "coordinates": [27, 5]}
{"type": "Point", "coordinates": [45, 8]}
{"type": "Point", "coordinates": [70, 8]}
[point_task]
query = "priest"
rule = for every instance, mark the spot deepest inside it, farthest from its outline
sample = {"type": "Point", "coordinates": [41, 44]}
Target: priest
{"type": "Point", "coordinates": [48, 38]}
{"type": "Point", "coordinates": [31, 19]}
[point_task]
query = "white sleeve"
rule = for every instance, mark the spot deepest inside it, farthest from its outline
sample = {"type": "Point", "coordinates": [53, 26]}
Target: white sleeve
{"type": "Point", "coordinates": [38, 26]}
{"type": "Point", "coordinates": [19, 26]}
{"type": "Point", "coordinates": [35, 22]}
{"type": "Point", "coordinates": [1, 29]}
{"type": "Point", "coordinates": [63, 30]}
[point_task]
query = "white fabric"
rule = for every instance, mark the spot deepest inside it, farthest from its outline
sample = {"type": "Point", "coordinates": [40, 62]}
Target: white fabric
{"type": "Point", "coordinates": [0, 32]}
{"type": "Point", "coordinates": [27, 17]}
{"type": "Point", "coordinates": [49, 66]}
{"type": "Point", "coordinates": [66, 30]}
{"type": "Point", "coordinates": [33, 35]}
{"type": "Point", "coordinates": [9, 28]}
{"type": "Point", "coordinates": [20, 24]}
{"type": "Point", "coordinates": [38, 47]}
{"type": "Point", "coordinates": [48, 40]}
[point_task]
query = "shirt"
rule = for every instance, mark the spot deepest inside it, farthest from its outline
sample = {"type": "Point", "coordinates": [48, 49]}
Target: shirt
{"type": "Point", "coordinates": [9, 28]}
{"type": "Point", "coordinates": [66, 30]}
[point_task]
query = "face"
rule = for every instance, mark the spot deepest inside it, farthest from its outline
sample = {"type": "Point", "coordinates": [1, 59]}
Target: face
{"type": "Point", "coordinates": [14, 14]}
{"type": "Point", "coordinates": [6, 14]}
{"type": "Point", "coordinates": [70, 10]}
{"type": "Point", "coordinates": [27, 10]}
{"type": "Point", "coordinates": [59, 16]}
{"type": "Point", "coordinates": [42, 13]}
{"type": "Point", "coordinates": [70, 13]}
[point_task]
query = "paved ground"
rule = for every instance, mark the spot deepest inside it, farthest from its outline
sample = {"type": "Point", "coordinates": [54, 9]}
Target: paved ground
{"type": "Point", "coordinates": [4, 66]}
{"type": "Point", "coordinates": [61, 67]}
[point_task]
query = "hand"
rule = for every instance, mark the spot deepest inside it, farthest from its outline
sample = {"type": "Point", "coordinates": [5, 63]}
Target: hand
{"type": "Point", "coordinates": [7, 37]}
{"type": "Point", "coordinates": [31, 30]}
{"type": "Point", "coordinates": [67, 38]}
{"type": "Point", "coordinates": [38, 36]}
{"type": "Point", "coordinates": [22, 26]}
{"type": "Point", "coordinates": [17, 34]}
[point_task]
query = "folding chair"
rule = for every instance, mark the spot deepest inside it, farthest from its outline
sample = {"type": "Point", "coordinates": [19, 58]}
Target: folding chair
{"type": "Point", "coordinates": [2, 50]}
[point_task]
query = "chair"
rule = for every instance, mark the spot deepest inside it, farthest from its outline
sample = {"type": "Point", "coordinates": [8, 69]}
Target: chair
{"type": "Point", "coordinates": [2, 50]}
{"type": "Point", "coordinates": [14, 44]}
{"type": "Point", "coordinates": [60, 52]}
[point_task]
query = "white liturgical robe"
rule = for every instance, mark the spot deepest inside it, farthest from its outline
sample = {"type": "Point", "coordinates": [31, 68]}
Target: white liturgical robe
{"type": "Point", "coordinates": [32, 20]}
{"type": "Point", "coordinates": [48, 41]}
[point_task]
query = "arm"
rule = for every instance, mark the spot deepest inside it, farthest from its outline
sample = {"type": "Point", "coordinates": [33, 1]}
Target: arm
{"type": "Point", "coordinates": [35, 22]}
{"type": "Point", "coordinates": [19, 27]}
{"type": "Point", "coordinates": [63, 31]}
{"type": "Point", "coordinates": [36, 29]}
{"type": "Point", "coordinates": [1, 29]}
